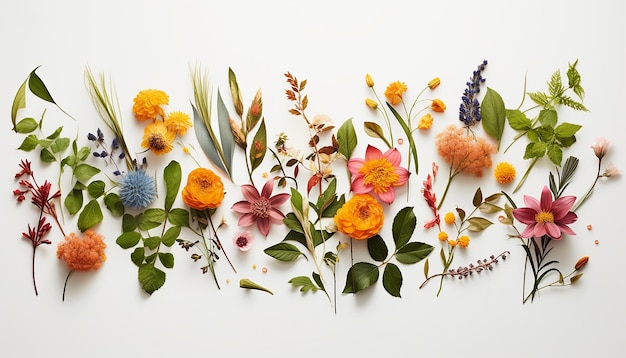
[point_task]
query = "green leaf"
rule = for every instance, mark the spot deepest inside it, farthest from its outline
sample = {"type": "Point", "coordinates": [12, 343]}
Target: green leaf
{"type": "Point", "coordinates": [114, 204]}
{"type": "Point", "coordinates": [296, 202]}
{"type": "Point", "coordinates": [403, 226]}
{"type": "Point", "coordinates": [255, 111]}
{"type": "Point", "coordinates": [128, 239]}
{"type": "Point", "coordinates": [493, 114]}
{"type": "Point", "coordinates": [426, 268]}
{"type": "Point", "coordinates": [46, 156]}
{"type": "Point", "coordinates": [374, 130]}
{"type": "Point", "coordinates": [567, 101]}
{"type": "Point", "coordinates": [392, 279]}
{"type": "Point", "coordinates": [60, 145]}
{"type": "Point", "coordinates": [138, 256]}
{"type": "Point", "coordinates": [84, 172]}
{"type": "Point", "coordinates": [360, 276]}
{"type": "Point", "coordinates": [535, 150]}
{"type": "Point", "coordinates": [305, 284]}
{"type": "Point", "coordinates": [90, 216]}
{"type": "Point", "coordinates": [555, 85]}
{"type": "Point", "coordinates": [235, 92]}
{"type": "Point", "coordinates": [19, 102]}
{"type": "Point", "coordinates": [29, 143]}
{"type": "Point", "coordinates": [170, 236]}
{"type": "Point", "coordinates": [39, 89]}
{"type": "Point", "coordinates": [55, 134]}
{"type": "Point", "coordinates": [167, 259]}
{"type": "Point", "coordinates": [409, 135]}
{"type": "Point", "coordinates": [207, 143]}
{"type": "Point", "coordinates": [74, 201]}
{"type": "Point", "coordinates": [346, 136]}
{"type": "Point", "coordinates": [555, 153]}
{"type": "Point", "coordinates": [150, 278]}
{"type": "Point", "coordinates": [284, 251]}
{"type": "Point", "coordinates": [318, 279]}
{"type": "Point", "coordinates": [377, 248]}
{"type": "Point", "coordinates": [565, 130]}
{"type": "Point", "coordinates": [477, 224]}
{"type": "Point", "coordinates": [152, 218]}
{"type": "Point", "coordinates": [539, 98]}
{"type": "Point", "coordinates": [172, 175]}
{"type": "Point", "coordinates": [129, 223]}
{"type": "Point", "coordinates": [247, 283]}
{"type": "Point", "coordinates": [413, 252]}
{"type": "Point", "coordinates": [152, 242]}
{"type": "Point", "coordinates": [518, 120]}
{"type": "Point", "coordinates": [178, 217]}
{"type": "Point", "coordinates": [489, 208]}
{"type": "Point", "coordinates": [96, 188]}
{"type": "Point", "coordinates": [227, 138]}
{"type": "Point", "coordinates": [573, 79]}
{"type": "Point", "coordinates": [548, 117]}
{"type": "Point", "coordinates": [26, 125]}
{"type": "Point", "coordinates": [258, 154]}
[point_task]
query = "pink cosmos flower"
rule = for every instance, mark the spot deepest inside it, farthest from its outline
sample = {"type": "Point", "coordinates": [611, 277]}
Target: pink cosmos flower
{"type": "Point", "coordinates": [610, 171]}
{"type": "Point", "coordinates": [546, 217]}
{"type": "Point", "coordinates": [600, 147]}
{"type": "Point", "coordinates": [243, 240]}
{"type": "Point", "coordinates": [378, 172]}
{"type": "Point", "coordinates": [260, 208]}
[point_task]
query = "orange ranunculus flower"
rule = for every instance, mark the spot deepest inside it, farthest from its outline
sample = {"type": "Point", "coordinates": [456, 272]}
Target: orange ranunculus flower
{"type": "Point", "coordinates": [394, 92]}
{"type": "Point", "coordinates": [438, 105]}
{"type": "Point", "coordinates": [361, 217]}
{"type": "Point", "coordinates": [82, 254]}
{"type": "Point", "coordinates": [147, 104]}
{"type": "Point", "coordinates": [204, 190]}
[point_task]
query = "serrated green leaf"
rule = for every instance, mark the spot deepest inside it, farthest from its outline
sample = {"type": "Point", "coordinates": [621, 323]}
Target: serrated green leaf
{"type": "Point", "coordinates": [284, 251]}
{"type": "Point", "coordinates": [493, 115]}
{"type": "Point", "coordinates": [167, 259]}
{"type": "Point", "coordinates": [477, 224]}
{"type": "Point", "coordinates": [305, 284]}
{"type": "Point", "coordinates": [29, 143]}
{"type": "Point", "coordinates": [555, 85]}
{"type": "Point", "coordinates": [573, 77]}
{"type": "Point", "coordinates": [84, 172]}
{"type": "Point", "coordinates": [548, 117]}
{"type": "Point", "coordinates": [170, 235]}
{"type": "Point", "coordinates": [535, 150]}
{"type": "Point", "coordinates": [227, 138]}
{"type": "Point", "coordinates": [26, 125]}
{"type": "Point", "coordinates": [247, 283]}
{"type": "Point", "coordinates": [518, 120]}
{"type": "Point", "coordinates": [19, 102]}
{"type": "Point", "coordinates": [565, 130]}
{"type": "Point", "coordinates": [178, 217]}
{"type": "Point", "coordinates": [360, 276]}
{"type": "Point", "coordinates": [569, 102]}
{"type": "Point", "coordinates": [138, 256]}
{"type": "Point", "coordinates": [555, 153]}
{"type": "Point", "coordinates": [113, 202]}
{"type": "Point", "coordinates": [403, 226]}
{"type": "Point", "coordinates": [347, 138]}
{"type": "Point", "coordinates": [96, 188]}
{"type": "Point", "coordinates": [172, 175]}
{"type": "Point", "coordinates": [150, 278]}
{"type": "Point", "coordinates": [377, 248]}
{"type": "Point", "coordinates": [539, 98]}
{"type": "Point", "coordinates": [413, 252]}
{"type": "Point", "coordinates": [392, 279]}
{"type": "Point", "coordinates": [90, 215]}
{"type": "Point", "coordinates": [74, 201]}
{"type": "Point", "coordinates": [258, 147]}
{"type": "Point", "coordinates": [152, 242]}
{"type": "Point", "coordinates": [128, 239]}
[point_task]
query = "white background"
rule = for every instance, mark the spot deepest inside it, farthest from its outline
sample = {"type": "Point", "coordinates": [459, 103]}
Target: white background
{"type": "Point", "coordinates": [152, 44]}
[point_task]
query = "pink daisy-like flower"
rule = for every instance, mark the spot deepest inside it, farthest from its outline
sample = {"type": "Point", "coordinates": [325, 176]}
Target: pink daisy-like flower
{"type": "Point", "coordinates": [600, 147]}
{"type": "Point", "coordinates": [243, 240]}
{"type": "Point", "coordinates": [260, 208]}
{"type": "Point", "coordinates": [378, 172]}
{"type": "Point", "coordinates": [546, 217]}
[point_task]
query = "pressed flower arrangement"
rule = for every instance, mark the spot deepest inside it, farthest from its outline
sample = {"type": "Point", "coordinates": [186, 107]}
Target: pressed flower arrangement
{"type": "Point", "coordinates": [351, 228]}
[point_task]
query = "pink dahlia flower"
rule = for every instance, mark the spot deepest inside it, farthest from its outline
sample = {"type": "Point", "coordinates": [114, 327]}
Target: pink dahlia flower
{"type": "Point", "coordinates": [546, 217]}
{"type": "Point", "coordinates": [378, 172]}
{"type": "Point", "coordinates": [260, 208]}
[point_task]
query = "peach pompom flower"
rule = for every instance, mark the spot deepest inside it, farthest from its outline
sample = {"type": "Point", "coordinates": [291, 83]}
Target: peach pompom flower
{"type": "Point", "coordinates": [261, 208]}
{"type": "Point", "coordinates": [148, 104]}
{"type": "Point", "coordinates": [82, 254]}
{"type": "Point", "coordinates": [378, 172]}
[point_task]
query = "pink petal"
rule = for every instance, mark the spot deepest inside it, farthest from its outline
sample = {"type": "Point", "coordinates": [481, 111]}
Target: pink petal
{"type": "Point", "coordinates": [264, 225]}
{"type": "Point", "coordinates": [562, 206]}
{"type": "Point", "coordinates": [372, 153]}
{"type": "Point", "coordinates": [279, 199]}
{"type": "Point", "coordinates": [388, 196]}
{"type": "Point", "coordinates": [276, 215]}
{"type": "Point", "coordinates": [241, 207]}
{"type": "Point", "coordinates": [546, 200]}
{"type": "Point", "coordinates": [553, 230]}
{"type": "Point", "coordinates": [354, 165]}
{"type": "Point", "coordinates": [532, 203]}
{"type": "Point", "coordinates": [539, 230]}
{"type": "Point", "coordinates": [525, 215]}
{"type": "Point", "coordinates": [403, 175]}
{"type": "Point", "coordinates": [569, 218]}
{"type": "Point", "coordinates": [566, 229]}
{"type": "Point", "coordinates": [528, 232]}
{"type": "Point", "coordinates": [247, 220]}
{"type": "Point", "coordinates": [266, 192]}
{"type": "Point", "coordinates": [249, 192]}
{"type": "Point", "coordinates": [359, 187]}
{"type": "Point", "coordinates": [393, 156]}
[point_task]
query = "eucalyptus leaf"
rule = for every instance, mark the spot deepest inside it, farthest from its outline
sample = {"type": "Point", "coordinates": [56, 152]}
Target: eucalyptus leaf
{"type": "Point", "coordinates": [360, 276]}
{"type": "Point", "coordinates": [227, 138]}
{"type": "Point", "coordinates": [347, 138]}
{"type": "Point", "coordinates": [392, 279]}
{"type": "Point", "coordinates": [206, 142]}
{"type": "Point", "coordinates": [150, 278]}
{"type": "Point", "coordinates": [493, 115]}
{"type": "Point", "coordinates": [403, 226]}
{"type": "Point", "coordinates": [90, 215]}
{"type": "Point", "coordinates": [172, 175]}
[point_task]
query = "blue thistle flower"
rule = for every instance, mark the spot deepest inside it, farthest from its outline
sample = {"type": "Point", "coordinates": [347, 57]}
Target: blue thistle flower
{"type": "Point", "coordinates": [137, 189]}
{"type": "Point", "coordinates": [469, 111]}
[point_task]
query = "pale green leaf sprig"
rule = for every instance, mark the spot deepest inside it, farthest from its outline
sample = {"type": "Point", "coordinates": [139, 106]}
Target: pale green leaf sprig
{"type": "Point", "coordinates": [365, 274]}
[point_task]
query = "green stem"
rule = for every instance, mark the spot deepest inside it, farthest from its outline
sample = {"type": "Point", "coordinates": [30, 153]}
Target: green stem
{"type": "Point", "coordinates": [532, 164]}
{"type": "Point", "coordinates": [65, 285]}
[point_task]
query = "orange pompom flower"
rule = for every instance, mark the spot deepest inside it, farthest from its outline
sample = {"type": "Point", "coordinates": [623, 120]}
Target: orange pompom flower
{"type": "Point", "coordinates": [178, 122]}
{"type": "Point", "coordinates": [157, 138]}
{"type": "Point", "coordinates": [394, 92]}
{"type": "Point", "coordinates": [504, 172]}
{"type": "Point", "coordinates": [81, 254]}
{"type": "Point", "coordinates": [204, 189]}
{"type": "Point", "coordinates": [361, 217]}
{"type": "Point", "coordinates": [147, 104]}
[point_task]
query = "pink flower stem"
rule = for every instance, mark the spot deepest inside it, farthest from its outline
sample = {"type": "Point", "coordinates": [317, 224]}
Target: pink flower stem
{"type": "Point", "coordinates": [590, 190]}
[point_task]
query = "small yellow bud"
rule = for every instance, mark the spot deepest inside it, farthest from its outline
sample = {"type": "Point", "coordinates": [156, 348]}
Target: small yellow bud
{"type": "Point", "coordinates": [371, 103]}
{"type": "Point", "coordinates": [432, 84]}
{"type": "Point", "coordinates": [581, 262]}
{"type": "Point", "coordinates": [443, 236]}
{"type": "Point", "coordinates": [369, 80]}
{"type": "Point", "coordinates": [452, 243]}
{"type": "Point", "coordinates": [186, 150]}
{"type": "Point", "coordinates": [464, 241]}
{"type": "Point", "coordinates": [449, 218]}
{"type": "Point", "coordinates": [438, 105]}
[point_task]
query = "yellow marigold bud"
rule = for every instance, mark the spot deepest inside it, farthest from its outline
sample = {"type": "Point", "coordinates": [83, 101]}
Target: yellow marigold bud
{"type": "Point", "coordinates": [452, 243]}
{"type": "Point", "coordinates": [443, 236]}
{"type": "Point", "coordinates": [449, 218]}
{"type": "Point", "coordinates": [425, 122]}
{"type": "Point", "coordinates": [464, 241]}
{"type": "Point", "coordinates": [371, 103]}
{"type": "Point", "coordinates": [581, 262]}
{"type": "Point", "coordinates": [369, 80]}
{"type": "Point", "coordinates": [504, 172]}
{"type": "Point", "coordinates": [432, 84]}
{"type": "Point", "coordinates": [186, 150]}
{"type": "Point", "coordinates": [438, 105]}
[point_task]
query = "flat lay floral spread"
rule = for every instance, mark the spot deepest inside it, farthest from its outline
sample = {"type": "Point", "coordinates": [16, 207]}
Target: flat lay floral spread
{"type": "Point", "coordinates": [175, 210]}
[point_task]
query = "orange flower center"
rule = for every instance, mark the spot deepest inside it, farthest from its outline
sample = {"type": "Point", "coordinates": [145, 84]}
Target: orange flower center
{"type": "Point", "coordinates": [260, 208]}
{"type": "Point", "coordinates": [380, 174]}
{"type": "Point", "coordinates": [544, 217]}
{"type": "Point", "coordinates": [363, 212]}
{"type": "Point", "coordinates": [157, 142]}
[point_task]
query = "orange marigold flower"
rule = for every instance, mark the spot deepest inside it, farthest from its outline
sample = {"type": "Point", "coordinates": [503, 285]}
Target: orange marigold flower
{"type": "Point", "coordinates": [504, 172]}
{"type": "Point", "coordinates": [82, 254]}
{"type": "Point", "coordinates": [394, 92]}
{"type": "Point", "coordinates": [361, 217]}
{"type": "Point", "coordinates": [425, 122]}
{"type": "Point", "coordinates": [463, 152]}
{"type": "Point", "coordinates": [178, 122]}
{"type": "Point", "coordinates": [438, 105]}
{"type": "Point", "coordinates": [204, 190]}
{"type": "Point", "coordinates": [157, 138]}
{"type": "Point", "coordinates": [464, 241]}
{"type": "Point", "coordinates": [147, 104]}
